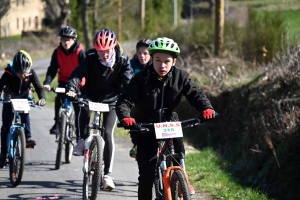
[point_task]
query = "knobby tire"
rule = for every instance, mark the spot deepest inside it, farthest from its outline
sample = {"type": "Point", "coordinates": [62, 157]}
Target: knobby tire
{"type": "Point", "coordinates": [61, 137]}
{"type": "Point", "coordinates": [16, 164]}
{"type": "Point", "coordinates": [69, 145]}
{"type": "Point", "coordinates": [91, 179]}
{"type": "Point", "coordinates": [179, 186]}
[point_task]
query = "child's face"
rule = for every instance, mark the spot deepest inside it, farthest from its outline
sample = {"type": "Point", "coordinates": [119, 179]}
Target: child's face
{"type": "Point", "coordinates": [67, 42]}
{"type": "Point", "coordinates": [162, 63]}
{"type": "Point", "coordinates": [23, 75]}
{"type": "Point", "coordinates": [105, 55]}
{"type": "Point", "coordinates": [143, 55]}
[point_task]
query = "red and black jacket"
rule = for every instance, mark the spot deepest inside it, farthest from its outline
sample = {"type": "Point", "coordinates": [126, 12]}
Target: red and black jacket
{"type": "Point", "coordinates": [64, 62]}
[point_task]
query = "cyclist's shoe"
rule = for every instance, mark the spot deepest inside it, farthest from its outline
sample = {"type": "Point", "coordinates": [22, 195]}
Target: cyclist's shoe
{"type": "Point", "coordinates": [53, 130]}
{"type": "Point", "coordinates": [108, 183]}
{"type": "Point", "coordinates": [2, 161]}
{"type": "Point", "coordinates": [30, 143]}
{"type": "Point", "coordinates": [79, 148]}
{"type": "Point", "coordinates": [133, 151]}
{"type": "Point", "coordinates": [191, 189]}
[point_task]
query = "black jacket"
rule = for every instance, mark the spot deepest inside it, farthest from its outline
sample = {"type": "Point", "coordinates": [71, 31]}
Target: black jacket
{"type": "Point", "coordinates": [102, 83]}
{"type": "Point", "coordinates": [150, 95]}
{"type": "Point", "coordinates": [18, 88]}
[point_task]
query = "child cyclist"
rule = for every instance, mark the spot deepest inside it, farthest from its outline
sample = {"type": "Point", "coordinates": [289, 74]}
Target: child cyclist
{"type": "Point", "coordinates": [17, 79]}
{"type": "Point", "coordinates": [107, 69]}
{"type": "Point", "coordinates": [157, 88]}
{"type": "Point", "coordinates": [140, 61]}
{"type": "Point", "coordinates": [65, 58]}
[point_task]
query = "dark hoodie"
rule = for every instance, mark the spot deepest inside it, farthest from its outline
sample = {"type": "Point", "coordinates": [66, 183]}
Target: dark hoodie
{"type": "Point", "coordinates": [152, 95]}
{"type": "Point", "coordinates": [18, 88]}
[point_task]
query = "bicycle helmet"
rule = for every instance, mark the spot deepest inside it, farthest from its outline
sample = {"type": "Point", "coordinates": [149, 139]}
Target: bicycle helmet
{"type": "Point", "coordinates": [22, 62]}
{"type": "Point", "coordinates": [143, 43]}
{"type": "Point", "coordinates": [68, 31]}
{"type": "Point", "coordinates": [105, 39]}
{"type": "Point", "coordinates": [164, 44]}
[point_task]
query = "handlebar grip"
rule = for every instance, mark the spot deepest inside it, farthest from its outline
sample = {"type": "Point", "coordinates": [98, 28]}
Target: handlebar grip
{"type": "Point", "coordinates": [120, 125]}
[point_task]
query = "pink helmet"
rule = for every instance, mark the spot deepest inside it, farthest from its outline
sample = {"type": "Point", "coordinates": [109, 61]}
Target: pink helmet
{"type": "Point", "coordinates": [105, 39]}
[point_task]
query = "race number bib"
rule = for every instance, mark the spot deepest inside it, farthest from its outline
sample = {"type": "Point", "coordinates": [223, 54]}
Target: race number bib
{"type": "Point", "coordinates": [166, 130]}
{"type": "Point", "coordinates": [101, 107]}
{"type": "Point", "coordinates": [60, 90]}
{"type": "Point", "coordinates": [20, 105]}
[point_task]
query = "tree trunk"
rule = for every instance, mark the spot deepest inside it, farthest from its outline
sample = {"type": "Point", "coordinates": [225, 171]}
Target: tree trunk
{"type": "Point", "coordinates": [142, 13]}
{"type": "Point", "coordinates": [85, 24]}
{"type": "Point", "coordinates": [219, 26]}
{"type": "Point", "coordinates": [95, 16]}
{"type": "Point", "coordinates": [120, 21]}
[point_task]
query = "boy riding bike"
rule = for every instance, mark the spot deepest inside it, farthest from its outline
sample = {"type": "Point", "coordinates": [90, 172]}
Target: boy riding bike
{"type": "Point", "coordinates": [140, 61]}
{"type": "Point", "coordinates": [65, 58]}
{"type": "Point", "coordinates": [107, 70]}
{"type": "Point", "coordinates": [17, 79]}
{"type": "Point", "coordinates": [155, 93]}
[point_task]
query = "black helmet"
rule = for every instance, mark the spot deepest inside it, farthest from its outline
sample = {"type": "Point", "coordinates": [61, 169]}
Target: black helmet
{"type": "Point", "coordinates": [22, 62]}
{"type": "Point", "coordinates": [143, 42]}
{"type": "Point", "coordinates": [68, 31]}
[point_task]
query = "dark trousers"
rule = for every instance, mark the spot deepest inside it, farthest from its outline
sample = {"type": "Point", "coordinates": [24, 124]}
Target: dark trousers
{"type": "Point", "coordinates": [146, 149]}
{"type": "Point", "coordinates": [109, 122]}
{"type": "Point", "coordinates": [7, 117]}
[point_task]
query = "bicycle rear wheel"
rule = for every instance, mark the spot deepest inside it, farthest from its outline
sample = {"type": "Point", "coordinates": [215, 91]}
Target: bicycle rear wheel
{"type": "Point", "coordinates": [91, 179]}
{"type": "Point", "coordinates": [179, 186]}
{"type": "Point", "coordinates": [69, 146]}
{"type": "Point", "coordinates": [61, 138]}
{"type": "Point", "coordinates": [16, 164]}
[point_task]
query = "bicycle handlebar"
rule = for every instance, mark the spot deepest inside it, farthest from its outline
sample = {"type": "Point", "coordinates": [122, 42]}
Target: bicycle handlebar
{"type": "Point", "coordinates": [146, 127]}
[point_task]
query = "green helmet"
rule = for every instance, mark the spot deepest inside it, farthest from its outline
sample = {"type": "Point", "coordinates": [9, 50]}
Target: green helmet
{"type": "Point", "coordinates": [164, 44]}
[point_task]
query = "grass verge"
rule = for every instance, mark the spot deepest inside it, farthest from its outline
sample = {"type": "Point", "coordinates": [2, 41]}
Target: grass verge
{"type": "Point", "coordinates": [206, 174]}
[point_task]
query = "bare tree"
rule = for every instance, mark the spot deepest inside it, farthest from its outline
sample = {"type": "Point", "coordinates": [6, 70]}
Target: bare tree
{"type": "Point", "coordinates": [57, 12]}
{"type": "Point", "coordinates": [4, 7]}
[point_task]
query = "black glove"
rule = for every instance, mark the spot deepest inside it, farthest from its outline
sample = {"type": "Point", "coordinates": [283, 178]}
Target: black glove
{"type": "Point", "coordinates": [71, 95]}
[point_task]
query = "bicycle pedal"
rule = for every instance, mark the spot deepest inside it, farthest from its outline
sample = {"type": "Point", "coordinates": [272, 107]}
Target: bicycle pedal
{"type": "Point", "coordinates": [107, 189]}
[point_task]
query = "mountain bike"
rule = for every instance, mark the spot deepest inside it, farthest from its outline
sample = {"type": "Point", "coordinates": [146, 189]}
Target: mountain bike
{"type": "Point", "coordinates": [171, 179]}
{"type": "Point", "coordinates": [93, 154]}
{"type": "Point", "coordinates": [16, 142]}
{"type": "Point", "coordinates": [65, 130]}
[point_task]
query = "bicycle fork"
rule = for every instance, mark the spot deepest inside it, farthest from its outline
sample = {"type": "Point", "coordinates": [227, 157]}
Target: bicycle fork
{"type": "Point", "coordinates": [86, 158]}
{"type": "Point", "coordinates": [12, 141]}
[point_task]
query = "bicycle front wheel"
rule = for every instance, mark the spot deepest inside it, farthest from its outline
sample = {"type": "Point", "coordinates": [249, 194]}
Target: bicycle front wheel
{"type": "Point", "coordinates": [179, 186]}
{"type": "Point", "coordinates": [91, 179]}
{"type": "Point", "coordinates": [17, 162]}
{"type": "Point", "coordinates": [61, 139]}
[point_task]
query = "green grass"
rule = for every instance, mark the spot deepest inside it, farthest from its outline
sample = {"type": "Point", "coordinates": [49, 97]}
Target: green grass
{"type": "Point", "coordinates": [206, 174]}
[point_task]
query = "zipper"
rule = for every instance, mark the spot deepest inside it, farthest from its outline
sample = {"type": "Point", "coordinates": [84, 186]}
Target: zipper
{"type": "Point", "coordinates": [162, 102]}
{"type": "Point", "coordinates": [20, 86]}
